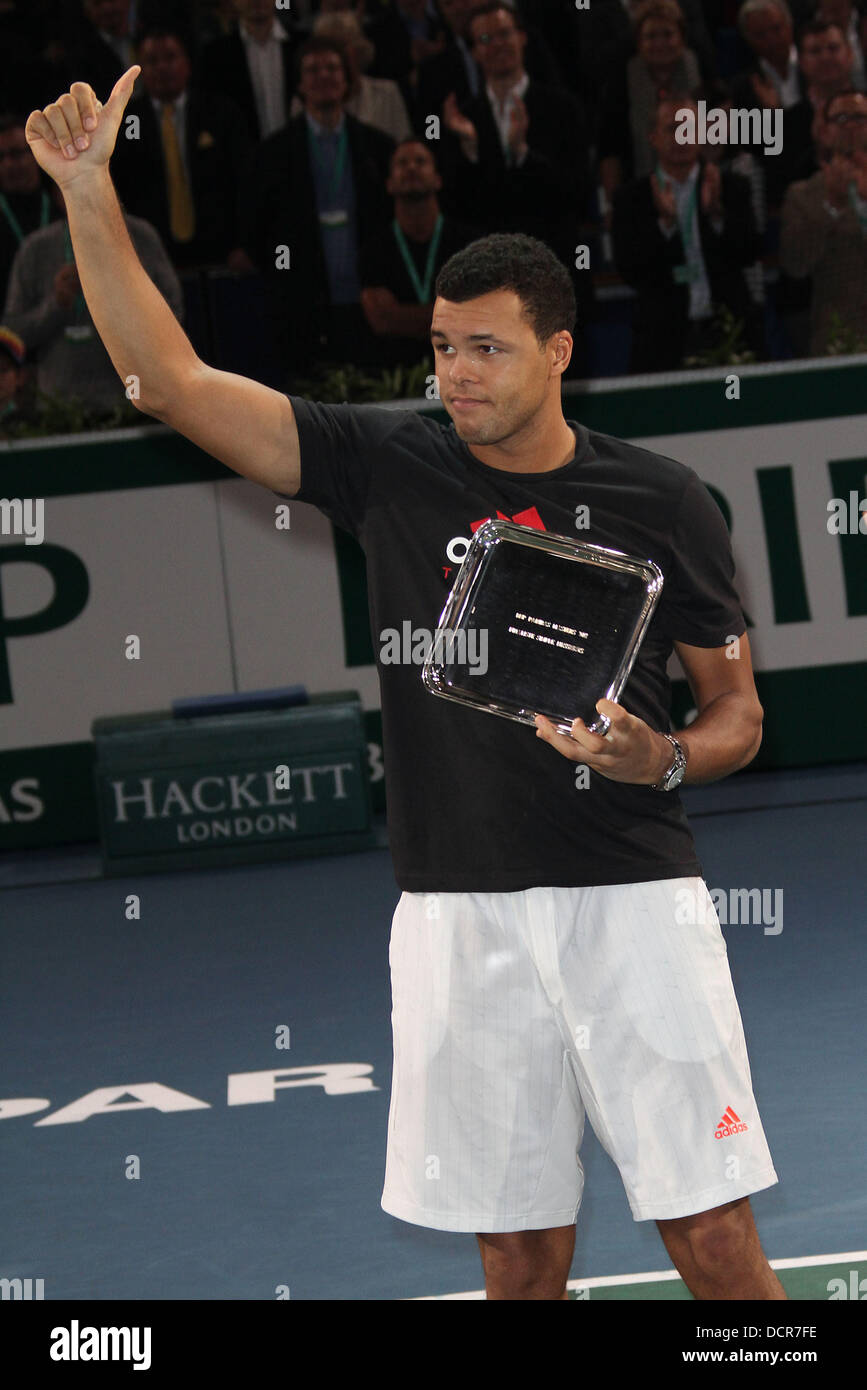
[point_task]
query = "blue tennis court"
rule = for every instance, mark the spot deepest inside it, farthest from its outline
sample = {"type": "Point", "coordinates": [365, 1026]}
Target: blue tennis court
{"type": "Point", "coordinates": [195, 1100]}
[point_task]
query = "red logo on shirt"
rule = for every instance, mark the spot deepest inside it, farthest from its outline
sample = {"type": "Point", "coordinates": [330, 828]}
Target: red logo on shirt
{"type": "Point", "coordinates": [459, 545]}
{"type": "Point", "coordinates": [528, 517]}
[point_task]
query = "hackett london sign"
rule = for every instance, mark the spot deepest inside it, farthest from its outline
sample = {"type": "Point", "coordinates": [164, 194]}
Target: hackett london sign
{"type": "Point", "coordinates": [191, 809]}
{"type": "Point", "coordinates": [186, 792]}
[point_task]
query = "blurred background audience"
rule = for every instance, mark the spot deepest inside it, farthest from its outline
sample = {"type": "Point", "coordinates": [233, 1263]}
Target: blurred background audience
{"type": "Point", "coordinates": [294, 177]}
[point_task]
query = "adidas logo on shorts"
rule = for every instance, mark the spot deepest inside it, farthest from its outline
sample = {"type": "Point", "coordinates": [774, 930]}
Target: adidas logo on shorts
{"type": "Point", "coordinates": [729, 1124]}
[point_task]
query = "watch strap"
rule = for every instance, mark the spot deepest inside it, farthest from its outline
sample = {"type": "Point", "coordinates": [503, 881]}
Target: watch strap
{"type": "Point", "coordinates": [678, 761]}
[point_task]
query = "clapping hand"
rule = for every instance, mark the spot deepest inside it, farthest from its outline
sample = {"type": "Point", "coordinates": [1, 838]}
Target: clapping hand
{"type": "Point", "coordinates": [664, 200]}
{"type": "Point", "coordinates": [711, 190]}
{"type": "Point", "coordinates": [765, 90]}
{"type": "Point", "coordinates": [519, 123]}
{"type": "Point", "coordinates": [456, 121]}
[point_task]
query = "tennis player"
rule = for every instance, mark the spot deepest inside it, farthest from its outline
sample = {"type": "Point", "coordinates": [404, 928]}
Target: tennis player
{"type": "Point", "coordinates": [555, 952]}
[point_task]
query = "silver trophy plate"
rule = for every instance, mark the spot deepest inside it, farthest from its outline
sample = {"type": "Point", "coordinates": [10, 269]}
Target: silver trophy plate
{"type": "Point", "coordinates": [541, 624]}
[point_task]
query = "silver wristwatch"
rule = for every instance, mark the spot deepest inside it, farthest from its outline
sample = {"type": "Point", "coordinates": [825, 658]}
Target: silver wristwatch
{"type": "Point", "coordinates": [673, 776]}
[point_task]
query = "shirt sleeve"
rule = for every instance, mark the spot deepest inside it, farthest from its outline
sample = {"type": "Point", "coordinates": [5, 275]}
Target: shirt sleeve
{"type": "Point", "coordinates": [700, 604]}
{"type": "Point", "coordinates": [339, 448]}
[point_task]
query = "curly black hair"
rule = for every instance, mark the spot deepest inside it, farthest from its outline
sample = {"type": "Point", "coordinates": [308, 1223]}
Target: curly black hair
{"type": "Point", "coordinates": [513, 261]}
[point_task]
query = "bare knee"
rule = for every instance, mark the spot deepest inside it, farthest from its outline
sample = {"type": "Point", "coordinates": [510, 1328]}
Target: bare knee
{"type": "Point", "coordinates": [717, 1240]}
{"type": "Point", "coordinates": [527, 1264]}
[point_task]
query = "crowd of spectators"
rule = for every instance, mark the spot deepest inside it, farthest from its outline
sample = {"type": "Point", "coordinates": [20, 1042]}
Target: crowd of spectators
{"type": "Point", "coordinates": [329, 157]}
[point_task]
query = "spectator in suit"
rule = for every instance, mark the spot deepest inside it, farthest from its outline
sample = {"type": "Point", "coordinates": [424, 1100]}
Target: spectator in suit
{"type": "Point", "coordinates": [317, 190]}
{"type": "Point", "coordinates": [774, 77]}
{"type": "Point", "coordinates": [45, 306]}
{"type": "Point", "coordinates": [457, 69]}
{"type": "Point", "coordinates": [517, 152]}
{"type": "Point", "coordinates": [25, 201]}
{"type": "Point", "coordinates": [422, 21]}
{"type": "Point", "coordinates": [252, 65]}
{"type": "Point", "coordinates": [453, 70]}
{"type": "Point", "coordinates": [376, 101]}
{"type": "Point", "coordinates": [107, 47]}
{"type": "Point", "coordinates": [662, 64]}
{"type": "Point", "coordinates": [743, 161]}
{"type": "Point", "coordinates": [849, 20]}
{"type": "Point", "coordinates": [824, 224]}
{"type": "Point", "coordinates": [826, 62]}
{"type": "Point", "coordinates": [183, 171]}
{"type": "Point", "coordinates": [404, 33]}
{"type": "Point", "coordinates": [682, 236]}
{"type": "Point", "coordinates": [399, 263]}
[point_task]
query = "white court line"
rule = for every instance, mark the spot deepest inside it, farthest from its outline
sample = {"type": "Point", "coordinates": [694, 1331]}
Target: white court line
{"type": "Point", "coordinates": [657, 1276]}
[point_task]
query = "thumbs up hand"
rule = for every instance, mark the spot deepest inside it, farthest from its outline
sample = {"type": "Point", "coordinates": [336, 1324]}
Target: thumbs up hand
{"type": "Point", "coordinates": [75, 135]}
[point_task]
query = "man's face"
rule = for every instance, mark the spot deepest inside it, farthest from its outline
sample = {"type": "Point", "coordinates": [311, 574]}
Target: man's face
{"type": "Point", "coordinates": [19, 172]}
{"type": "Point", "coordinates": [112, 16]}
{"type": "Point", "coordinates": [486, 350]}
{"type": "Point", "coordinates": [659, 42]}
{"type": "Point", "coordinates": [497, 43]}
{"type": "Point", "coordinates": [254, 9]}
{"type": "Point", "coordinates": [664, 140]}
{"type": "Point", "coordinates": [826, 57]}
{"type": "Point", "coordinates": [846, 126]}
{"type": "Point", "coordinates": [413, 173]}
{"type": "Point", "coordinates": [322, 81]}
{"type": "Point", "coordinates": [165, 68]}
{"type": "Point", "coordinates": [769, 34]}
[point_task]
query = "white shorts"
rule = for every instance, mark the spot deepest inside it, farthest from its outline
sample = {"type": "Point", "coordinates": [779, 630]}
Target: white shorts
{"type": "Point", "coordinates": [514, 1013]}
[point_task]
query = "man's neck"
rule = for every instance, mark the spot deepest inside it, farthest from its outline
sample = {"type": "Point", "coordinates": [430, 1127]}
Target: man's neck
{"type": "Point", "coordinates": [502, 86]}
{"type": "Point", "coordinates": [539, 448]}
{"type": "Point", "coordinates": [259, 28]}
{"type": "Point", "coordinates": [327, 115]}
{"type": "Point", "coordinates": [678, 172]}
{"type": "Point", "coordinates": [417, 217]}
{"type": "Point", "coordinates": [780, 64]}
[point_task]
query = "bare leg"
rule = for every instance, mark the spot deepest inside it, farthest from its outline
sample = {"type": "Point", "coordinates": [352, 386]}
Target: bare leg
{"type": "Point", "coordinates": [527, 1264]}
{"type": "Point", "coordinates": [718, 1255]}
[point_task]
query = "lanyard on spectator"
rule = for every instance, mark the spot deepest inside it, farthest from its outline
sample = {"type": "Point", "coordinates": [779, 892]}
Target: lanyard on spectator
{"type": "Point", "coordinates": [682, 273]}
{"type": "Point", "coordinates": [857, 207]}
{"type": "Point", "coordinates": [13, 220]}
{"type": "Point", "coordinates": [422, 290]}
{"type": "Point", "coordinates": [336, 174]}
{"type": "Point", "coordinates": [76, 332]}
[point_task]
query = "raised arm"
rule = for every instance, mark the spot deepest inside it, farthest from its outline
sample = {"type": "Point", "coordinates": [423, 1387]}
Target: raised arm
{"type": "Point", "coordinates": [242, 423]}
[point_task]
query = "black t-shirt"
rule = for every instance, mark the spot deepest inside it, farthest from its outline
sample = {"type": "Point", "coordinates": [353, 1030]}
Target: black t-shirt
{"type": "Point", "coordinates": [477, 802]}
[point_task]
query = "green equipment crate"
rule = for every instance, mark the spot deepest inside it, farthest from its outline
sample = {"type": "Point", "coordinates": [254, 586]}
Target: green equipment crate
{"type": "Point", "coordinates": [178, 793]}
